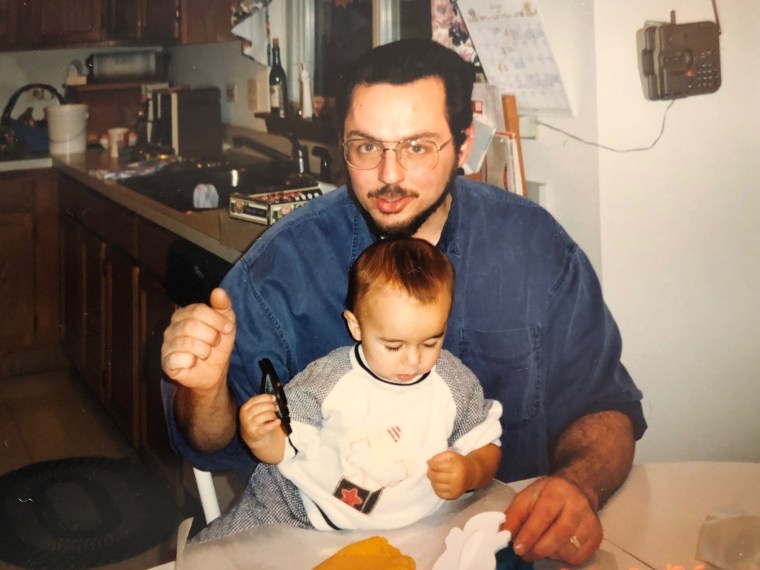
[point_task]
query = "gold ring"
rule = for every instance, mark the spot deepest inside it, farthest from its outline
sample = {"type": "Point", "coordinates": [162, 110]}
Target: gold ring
{"type": "Point", "coordinates": [575, 542]}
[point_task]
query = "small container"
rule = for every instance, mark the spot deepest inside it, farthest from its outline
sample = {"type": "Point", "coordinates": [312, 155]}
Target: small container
{"type": "Point", "coordinates": [67, 128]}
{"type": "Point", "coordinates": [117, 140]}
{"type": "Point", "coordinates": [307, 109]}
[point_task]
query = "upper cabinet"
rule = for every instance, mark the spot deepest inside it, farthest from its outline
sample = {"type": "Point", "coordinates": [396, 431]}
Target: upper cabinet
{"type": "Point", "coordinates": [70, 22]}
{"type": "Point", "coordinates": [8, 23]}
{"type": "Point", "coordinates": [40, 24]}
{"type": "Point", "coordinates": [143, 20]}
{"type": "Point", "coordinates": [205, 21]}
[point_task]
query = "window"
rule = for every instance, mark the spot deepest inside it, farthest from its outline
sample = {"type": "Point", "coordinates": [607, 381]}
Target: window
{"type": "Point", "coordinates": [329, 35]}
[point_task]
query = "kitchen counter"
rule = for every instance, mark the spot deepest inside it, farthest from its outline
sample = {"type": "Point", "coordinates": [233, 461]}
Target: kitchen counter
{"type": "Point", "coordinates": [212, 230]}
{"type": "Point", "coordinates": [25, 163]}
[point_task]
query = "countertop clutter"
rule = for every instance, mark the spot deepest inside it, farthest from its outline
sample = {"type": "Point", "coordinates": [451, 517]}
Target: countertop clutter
{"type": "Point", "coordinates": [212, 230]}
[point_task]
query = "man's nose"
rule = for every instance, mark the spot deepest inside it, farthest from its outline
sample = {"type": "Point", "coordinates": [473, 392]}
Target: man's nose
{"type": "Point", "coordinates": [391, 171]}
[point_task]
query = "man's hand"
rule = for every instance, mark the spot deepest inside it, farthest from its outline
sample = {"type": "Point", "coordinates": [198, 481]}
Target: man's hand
{"type": "Point", "coordinates": [546, 515]}
{"type": "Point", "coordinates": [555, 517]}
{"type": "Point", "coordinates": [196, 355]}
{"type": "Point", "coordinates": [260, 428]}
{"type": "Point", "coordinates": [198, 343]}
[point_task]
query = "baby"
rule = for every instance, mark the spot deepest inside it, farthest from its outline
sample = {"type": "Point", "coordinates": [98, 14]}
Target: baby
{"type": "Point", "coordinates": [383, 432]}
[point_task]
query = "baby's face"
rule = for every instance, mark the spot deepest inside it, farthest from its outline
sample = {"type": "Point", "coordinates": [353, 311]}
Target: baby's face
{"type": "Point", "coordinates": [401, 337]}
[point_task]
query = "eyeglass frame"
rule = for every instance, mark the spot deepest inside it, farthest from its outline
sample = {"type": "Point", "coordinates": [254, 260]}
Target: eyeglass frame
{"type": "Point", "coordinates": [438, 149]}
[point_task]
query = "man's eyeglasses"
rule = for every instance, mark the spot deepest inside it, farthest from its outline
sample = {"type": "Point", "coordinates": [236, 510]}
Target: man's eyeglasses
{"type": "Point", "coordinates": [412, 154]}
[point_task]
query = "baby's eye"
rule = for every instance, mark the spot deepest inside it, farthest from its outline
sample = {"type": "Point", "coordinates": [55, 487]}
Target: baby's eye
{"type": "Point", "coordinates": [394, 348]}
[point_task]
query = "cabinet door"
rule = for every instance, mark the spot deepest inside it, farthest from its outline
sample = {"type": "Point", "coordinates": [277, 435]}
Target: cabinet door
{"type": "Point", "coordinates": [16, 261]}
{"type": "Point", "coordinates": [93, 364]}
{"type": "Point", "coordinates": [71, 22]}
{"type": "Point", "coordinates": [161, 21]}
{"type": "Point", "coordinates": [156, 309]}
{"type": "Point", "coordinates": [16, 280]}
{"type": "Point", "coordinates": [72, 292]}
{"type": "Point", "coordinates": [46, 261]}
{"type": "Point", "coordinates": [150, 20]}
{"type": "Point", "coordinates": [205, 21]}
{"type": "Point", "coordinates": [122, 354]}
{"type": "Point", "coordinates": [8, 23]}
{"type": "Point", "coordinates": [125, 19]}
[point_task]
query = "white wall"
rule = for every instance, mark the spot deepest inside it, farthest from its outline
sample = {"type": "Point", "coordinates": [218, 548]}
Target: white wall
{"type": "Point", "coordinates": [49, 66]}
{"type": "Point", "coordinates": [679, 225]}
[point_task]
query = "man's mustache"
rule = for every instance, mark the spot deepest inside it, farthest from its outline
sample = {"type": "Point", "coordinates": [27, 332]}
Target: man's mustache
{"type": "Point", "coordinates": [392, 191]}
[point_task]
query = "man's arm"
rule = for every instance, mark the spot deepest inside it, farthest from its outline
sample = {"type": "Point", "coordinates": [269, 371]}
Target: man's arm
{"type": "Point", "coordinates": [196, 355]}
{"type": "Point", "coordinates": [590, 461]}
{"type": "Point", "coordinates": [206, 418]}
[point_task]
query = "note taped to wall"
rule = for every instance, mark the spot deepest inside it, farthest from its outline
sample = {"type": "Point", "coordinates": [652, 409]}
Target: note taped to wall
{"type": "Point", "coordinates": [515, 53]}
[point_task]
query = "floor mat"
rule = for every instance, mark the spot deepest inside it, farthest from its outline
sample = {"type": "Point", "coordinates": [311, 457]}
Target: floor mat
{"type": "Point", "coordinates": [82, 512]}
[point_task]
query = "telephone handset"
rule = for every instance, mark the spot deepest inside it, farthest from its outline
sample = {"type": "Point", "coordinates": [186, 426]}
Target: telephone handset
{"type": "Point", "coordinates": [679, 60]}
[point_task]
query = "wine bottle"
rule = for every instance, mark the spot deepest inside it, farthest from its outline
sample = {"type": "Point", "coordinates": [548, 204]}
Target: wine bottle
{"type": "Point", "coordinates": [278, 83]}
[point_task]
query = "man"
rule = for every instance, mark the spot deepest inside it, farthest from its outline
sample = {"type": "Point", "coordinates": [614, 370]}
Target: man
{"type": "Point", "coordinates": [528, 316]}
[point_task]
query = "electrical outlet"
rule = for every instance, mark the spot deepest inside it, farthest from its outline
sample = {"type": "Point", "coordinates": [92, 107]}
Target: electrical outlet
{"type": "Point", "coordinates": [253, 95]}
{"type": "Point", "coordinates": [231, 92]}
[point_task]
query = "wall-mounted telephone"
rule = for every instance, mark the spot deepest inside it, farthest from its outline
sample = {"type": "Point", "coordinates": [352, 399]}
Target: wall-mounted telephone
{"type": "Point", "coordinates": [678, 60]}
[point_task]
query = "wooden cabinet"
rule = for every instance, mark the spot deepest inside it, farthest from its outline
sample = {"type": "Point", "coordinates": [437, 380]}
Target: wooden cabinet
{"type": "Point", "coordinates": [122, 352]}
{"type": "Point", "coordinates": [69, 23]}
{"type": "Point", "coordinates": [115, 270]}
{"type": "Point", "coordinates": [28, 272]}
{"type": "Point", "coordinates": [143, 20]}
{"type": "Point", "coordinates": [156, 309]}
{"type": "Point", "coordinates": [16, 271]}
{"type": "Point", "coordinates": [8, 22]}
{"type": "Point", "coordinates": [204, 21]}
{"type": "Point", "coordinates": [29, 24]}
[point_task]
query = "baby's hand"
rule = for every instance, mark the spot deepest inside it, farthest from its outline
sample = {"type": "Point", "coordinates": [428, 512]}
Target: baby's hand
{"type": "Point", "coordinates": [258, 420]}
{"type": "Point", "coordinates": [449, 473]}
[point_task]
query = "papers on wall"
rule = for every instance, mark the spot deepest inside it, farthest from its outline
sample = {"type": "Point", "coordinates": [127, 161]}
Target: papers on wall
{"type": "Point", "coordinates": [515, 53]}
{"type": "Point", "coordinates": [480, 145]}
{"type": "Point", "coordinates": [502, 165]}
{"type": "Point", "coordinates": [253, 31]}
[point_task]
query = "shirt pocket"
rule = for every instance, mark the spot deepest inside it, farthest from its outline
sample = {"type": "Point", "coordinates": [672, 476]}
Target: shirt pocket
{"type": "Point", "coordinates": [507, 365]}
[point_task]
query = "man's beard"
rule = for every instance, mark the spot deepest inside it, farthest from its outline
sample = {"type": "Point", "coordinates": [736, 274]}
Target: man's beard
{"type": "Point", "coordinates": [402, 230]}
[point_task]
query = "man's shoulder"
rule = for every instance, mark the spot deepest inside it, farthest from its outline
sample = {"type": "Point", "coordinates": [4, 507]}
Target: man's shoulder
{"type": "Point", "coordinates": [482, 208]}
{"type": "Point", "coordinates": [328, 218]}
{"type": "Point", "coordinates": [473, 194]}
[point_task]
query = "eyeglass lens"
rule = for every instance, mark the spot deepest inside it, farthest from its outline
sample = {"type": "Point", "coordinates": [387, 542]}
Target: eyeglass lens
{"type": "Point", "coordinates": [367, 154]}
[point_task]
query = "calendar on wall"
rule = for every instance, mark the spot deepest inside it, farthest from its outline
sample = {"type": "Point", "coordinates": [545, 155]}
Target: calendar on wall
{"type": "Point", "coordinates": [515, 53]}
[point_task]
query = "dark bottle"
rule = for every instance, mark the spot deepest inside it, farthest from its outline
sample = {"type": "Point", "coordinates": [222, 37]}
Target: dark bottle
{"type": "Point", "coordinates": [278, 83]}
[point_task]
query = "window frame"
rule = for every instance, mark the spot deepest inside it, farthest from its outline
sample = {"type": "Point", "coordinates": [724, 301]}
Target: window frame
{"type": "Point", "coordinates": [386, 27]}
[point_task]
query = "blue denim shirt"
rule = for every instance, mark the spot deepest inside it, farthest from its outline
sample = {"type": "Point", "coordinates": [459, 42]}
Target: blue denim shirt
{"type": "Point", "coordinates": [528, 317]}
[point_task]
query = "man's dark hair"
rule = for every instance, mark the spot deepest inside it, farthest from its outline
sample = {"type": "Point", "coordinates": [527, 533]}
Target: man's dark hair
{"type": "Point", "coordinates": [406, 61]}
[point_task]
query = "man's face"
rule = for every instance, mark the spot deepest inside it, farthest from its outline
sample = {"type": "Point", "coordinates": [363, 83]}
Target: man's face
{"type": "Point", "coordinates": [402, 202]}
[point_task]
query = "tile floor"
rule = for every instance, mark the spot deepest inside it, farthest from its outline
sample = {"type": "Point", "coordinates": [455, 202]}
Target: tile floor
{"type": "Point", "coordinates": [52, 415]}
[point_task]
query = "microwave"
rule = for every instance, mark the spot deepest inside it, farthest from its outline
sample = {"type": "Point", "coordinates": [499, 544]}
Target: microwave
{"type": "Point", "coordinates": [189, 121]}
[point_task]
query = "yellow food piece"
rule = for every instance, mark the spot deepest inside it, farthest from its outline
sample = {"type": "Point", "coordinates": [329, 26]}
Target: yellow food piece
{"type": "Point", "coordinates": [374, 553]}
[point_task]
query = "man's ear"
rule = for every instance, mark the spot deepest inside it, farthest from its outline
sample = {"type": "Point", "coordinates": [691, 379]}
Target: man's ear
{"type": "Point", "coordinates": [353, 325]}
{"type": "Point", "coordinates": [464, 150]}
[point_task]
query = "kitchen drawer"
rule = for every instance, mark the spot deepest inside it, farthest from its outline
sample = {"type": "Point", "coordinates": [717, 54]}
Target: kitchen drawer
{"type": "Point", "coordinates": [82, 204]}
{"type": "Point", "coordinates": [153, 243]}
{"type": "Point", "coordinates": [120, 229]}
{"type": "Point", "coordinates": [111, 222]}
{"type": "Point", "coordinates": [16, 192]}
